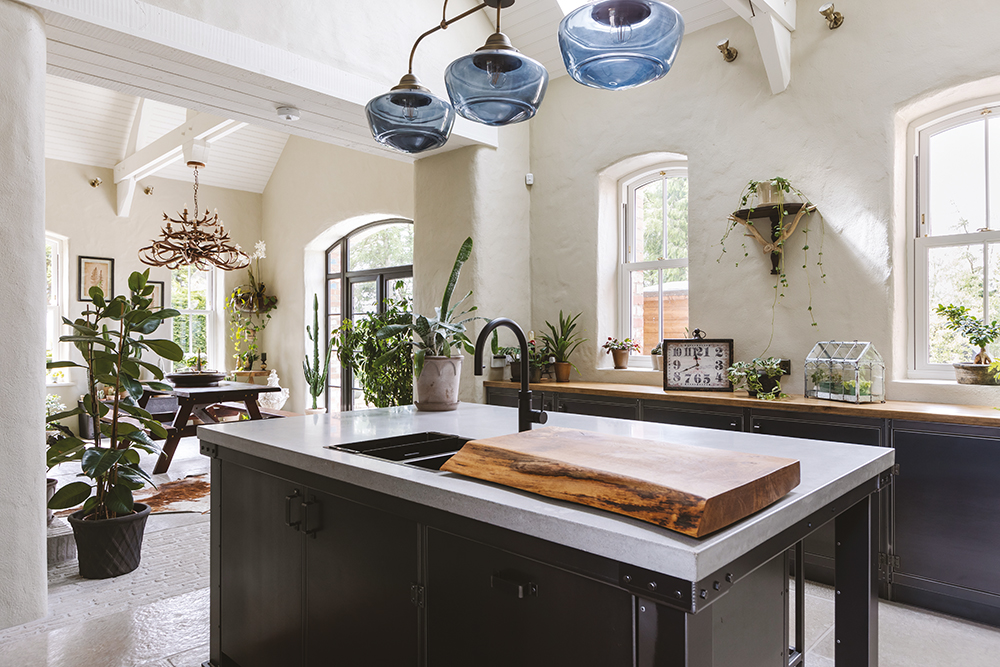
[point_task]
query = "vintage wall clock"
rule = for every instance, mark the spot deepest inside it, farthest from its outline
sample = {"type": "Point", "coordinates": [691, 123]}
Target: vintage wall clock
{"type": "Point", "coordinates": [697, 364]}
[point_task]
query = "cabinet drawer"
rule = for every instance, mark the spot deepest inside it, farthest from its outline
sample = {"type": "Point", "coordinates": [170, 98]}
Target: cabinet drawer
{"type": "Point", "coordinates": [508, 398]}
{"type": "Point", "coordinates": [661, 414]}
{"type": "Point", "coordinates": [595, 407]}
{"type": "Point", "coordinates": [817, 429]}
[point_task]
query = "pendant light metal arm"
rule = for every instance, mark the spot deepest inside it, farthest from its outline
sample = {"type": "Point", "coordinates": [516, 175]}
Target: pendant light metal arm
{"type": "Point", "coordinates": [443, 26]}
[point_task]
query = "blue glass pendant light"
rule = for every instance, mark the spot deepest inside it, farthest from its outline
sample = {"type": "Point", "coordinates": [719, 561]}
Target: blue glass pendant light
{"type": "Point", "coordinates": [410, 118]}
{"type": "Point", "coordinates": [620, 44]}
{"type": "Point", "coordinates": [496, 85]}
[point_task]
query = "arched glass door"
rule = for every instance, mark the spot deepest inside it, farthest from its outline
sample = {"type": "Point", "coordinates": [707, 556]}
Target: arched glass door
{"type": "Point", "coordinates": [362, 270]}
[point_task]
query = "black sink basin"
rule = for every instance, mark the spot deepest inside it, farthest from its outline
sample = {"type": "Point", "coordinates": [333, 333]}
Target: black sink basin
{"type": "Point", "coordinates": [423, 450]}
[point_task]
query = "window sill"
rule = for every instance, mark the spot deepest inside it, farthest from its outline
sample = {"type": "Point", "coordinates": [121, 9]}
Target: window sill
{"type": "Point", "coordinates": [60, 384]}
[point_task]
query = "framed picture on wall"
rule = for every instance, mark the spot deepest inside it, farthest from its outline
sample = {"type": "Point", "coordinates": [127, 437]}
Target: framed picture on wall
{"type": "Point", "coordinates": [157, 295]}
{"type": "Point", "coordinates": [96, 271]}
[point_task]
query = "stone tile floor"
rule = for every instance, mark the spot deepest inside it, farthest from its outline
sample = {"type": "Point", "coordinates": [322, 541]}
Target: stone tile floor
{"type": "Point", "coordinates": [157, 616]}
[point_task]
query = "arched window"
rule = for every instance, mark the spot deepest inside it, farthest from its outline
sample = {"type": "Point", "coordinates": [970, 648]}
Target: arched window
{"type": "Point", "coordinates": [955, 233]}
{"type": "Point", "coordinates": [362, 270]}
{"type": "Point", "coordinates": [653, 279]}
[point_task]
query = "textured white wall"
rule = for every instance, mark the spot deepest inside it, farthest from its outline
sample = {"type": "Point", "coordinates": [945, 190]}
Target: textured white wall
{"type": "Point", "coordinates": [314, 187]}
{"type": "Point", "coordinates": [477, 192]}
{"type": "Point", "coordinates": [832, 133]}
{"type": "Point", "coordinates": [86, 215]}
{"type": "Point", "coordinates": [22, 326]}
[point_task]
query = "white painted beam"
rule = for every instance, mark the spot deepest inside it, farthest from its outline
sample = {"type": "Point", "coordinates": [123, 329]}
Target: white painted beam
{"type": "Point", "coordinates": [168, 148]}
{"type": "Point", "coordinates": [782, 10]}
{"type": "Point", "coordinates": [775, 44]}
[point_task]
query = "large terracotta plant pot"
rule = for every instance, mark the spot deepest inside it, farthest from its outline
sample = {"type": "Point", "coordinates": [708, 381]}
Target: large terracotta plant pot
{"type": "Point", "coordinates": [437, 385]}
{"type": "Point", "coordinates": [563, 369]}
{"type": "Point", "coordinates": [620, 357]}
{"type": "Point", "coordinates": [974, 374]}
{"type": "Point", "coordinates": [110, 547]}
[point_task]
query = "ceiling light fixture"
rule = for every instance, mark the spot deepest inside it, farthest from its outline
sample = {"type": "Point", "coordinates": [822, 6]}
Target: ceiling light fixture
{"type": "Point", "coordinates": [288, 113]}
{"type": "Point", "coordinates": [199, 242]}
{"type": "Point", "coordinates": [620, 44]}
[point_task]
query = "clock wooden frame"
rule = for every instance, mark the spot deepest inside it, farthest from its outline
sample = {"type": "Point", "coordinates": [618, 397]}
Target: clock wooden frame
{"type": "Point", "coordinates": [672, 343]}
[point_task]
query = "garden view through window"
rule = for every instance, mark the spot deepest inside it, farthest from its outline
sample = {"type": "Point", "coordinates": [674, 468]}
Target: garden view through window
{"type": "Point", "coordinates": [655, 270]}
{"type": "Point", "coordinates": [957, 246]}
{"type": "Point", "coordinates": [191, 293]}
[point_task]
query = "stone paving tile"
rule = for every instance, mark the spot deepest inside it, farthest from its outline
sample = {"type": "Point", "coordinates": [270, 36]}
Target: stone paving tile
{"type": "Point", "coordinates": [193, 658]}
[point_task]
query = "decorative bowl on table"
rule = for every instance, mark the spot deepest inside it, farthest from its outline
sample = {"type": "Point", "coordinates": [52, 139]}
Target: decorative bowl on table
{"type": "Point", "coordinates": [195, 378]}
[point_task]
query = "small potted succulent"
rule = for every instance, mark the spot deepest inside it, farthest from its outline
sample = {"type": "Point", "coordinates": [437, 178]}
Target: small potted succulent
{"type": "Point", "coordinates": [656, 356]}
{"type": "Point", "coordinates": [620, 350]}
{"type": "Point", "coordinates": [562, 343]}
{"type": "Point", "coordinates": [977, 332]}
{"type": "Point", "coordinates": [760, 377]}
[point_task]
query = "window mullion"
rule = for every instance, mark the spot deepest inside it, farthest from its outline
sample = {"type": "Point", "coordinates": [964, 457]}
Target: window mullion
{"type": "Point", "coordinates": [986, 281]}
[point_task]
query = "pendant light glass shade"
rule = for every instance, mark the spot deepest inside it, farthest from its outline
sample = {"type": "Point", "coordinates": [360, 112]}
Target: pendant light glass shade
{"type": "Point", "coordinates": [496, 85]}
{"type": "Point", "coordinates": [620, 44]}
{"type": "Point", "coordinates": [410, 118]}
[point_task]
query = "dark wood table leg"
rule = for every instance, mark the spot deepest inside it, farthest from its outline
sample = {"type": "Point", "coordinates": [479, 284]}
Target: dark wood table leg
{"type": "Point", "coordinates": [252, 409]}
{"type": "Point", "coordinates": [856, 602]}
{"type": "Point", "coordinates": [180, 421]}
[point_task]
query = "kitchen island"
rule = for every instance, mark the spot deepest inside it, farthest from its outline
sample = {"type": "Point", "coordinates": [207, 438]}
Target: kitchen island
{"type": "Point", "coordinates": [321, 556]}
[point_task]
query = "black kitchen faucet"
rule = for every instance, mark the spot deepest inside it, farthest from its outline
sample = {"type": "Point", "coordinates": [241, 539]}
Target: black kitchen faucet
{"type": "Point", "coordinates": [525, 415]}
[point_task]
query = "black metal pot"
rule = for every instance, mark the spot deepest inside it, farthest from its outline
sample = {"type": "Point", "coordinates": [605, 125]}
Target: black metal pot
{"type": "Point", "coordinates": [767, 384]}
{"type": "Point", "coordinates": [109, 547]}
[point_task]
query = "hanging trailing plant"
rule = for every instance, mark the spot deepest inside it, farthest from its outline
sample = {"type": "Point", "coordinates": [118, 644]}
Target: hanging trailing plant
{"type": "Point", "coordinates": [250, 309]}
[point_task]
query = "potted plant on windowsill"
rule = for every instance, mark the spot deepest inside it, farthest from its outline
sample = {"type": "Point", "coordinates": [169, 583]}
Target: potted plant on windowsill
{"type": "Point", "coordinates": [434, 339]}
{"type": "Point", "coordinates": [977, 332]}
{"type": "Point", "coordinates": [760, 377]}
{"type": "Point", "coordinates": [656, 356]}
{"type": "Point", "coordinates": [562, 343]}
{"type": "Point", "coordinates": [620, 350]}
{"type": "Point", "coordinates": [111, 337]}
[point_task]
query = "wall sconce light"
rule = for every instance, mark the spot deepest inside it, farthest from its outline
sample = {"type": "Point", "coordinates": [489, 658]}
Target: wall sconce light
{"type": "Point", "coordinates": [95, 182]}
{"type": "Point", "coordinates": [834, 19]}
{"type": "Point", "coordinates": [148, 190]}
{"type": "Point", "coordinates": [728, 52]}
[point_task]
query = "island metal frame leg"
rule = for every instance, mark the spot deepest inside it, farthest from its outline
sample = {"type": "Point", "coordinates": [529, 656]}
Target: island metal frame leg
{"type": "Point", "coordinates": [856, 598]}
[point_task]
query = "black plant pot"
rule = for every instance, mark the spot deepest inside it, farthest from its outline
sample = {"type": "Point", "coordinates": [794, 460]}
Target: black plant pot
{"type": "Point", "coordinates": [767, 384]}
{"type": "Point", "coordinates": [110, 547]}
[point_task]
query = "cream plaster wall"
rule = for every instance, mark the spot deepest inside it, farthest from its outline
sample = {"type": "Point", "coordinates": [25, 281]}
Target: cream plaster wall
{"type": "Point", "coordinates": [313, 188]}
{"type": "Point", "coordinates": [22, 325]}
{"type": "Point", "coordinates": [832, 133]}
{"type": "Point", "coordinates": [368, 38]}
{"type": "Point", "coordinates": [477, 192]}
{"type": "Point", "coordinates": [87, 216]}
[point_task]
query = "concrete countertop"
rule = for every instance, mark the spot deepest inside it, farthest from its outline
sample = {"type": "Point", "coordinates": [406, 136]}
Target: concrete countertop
{"type": "Point", "coordinates": [828, 471]}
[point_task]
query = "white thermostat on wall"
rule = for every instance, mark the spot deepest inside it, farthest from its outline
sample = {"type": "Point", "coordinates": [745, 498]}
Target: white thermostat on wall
{"type": "Point", "coordinates": [529, 179]}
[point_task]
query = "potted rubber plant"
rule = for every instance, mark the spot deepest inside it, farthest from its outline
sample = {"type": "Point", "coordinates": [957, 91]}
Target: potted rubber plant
{"type": "Point", "coordinates": [562, 343]}
{"type": "Point", "coordinates": [314, 373]}
{"type": "Point", "coordinates": [435, 339]}
{"type": "Point", "coordinates": [979, 334]}
{"type": "Point", "coordinates": [111, 337]}
{"type": "Point", "coordinates": [760, 377]}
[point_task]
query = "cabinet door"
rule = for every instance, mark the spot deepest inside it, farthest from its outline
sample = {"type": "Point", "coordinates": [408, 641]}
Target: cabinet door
{"type": "Point", "coordinates": [597, 407]}
{"type": "Point", "coordinates": [360, 567]}
{"type": "Point", "coordinates": [490, 608]}
{"type": "Point", "coordinates": [656, 411]}
{"type": "Point", "coordinates": [261, 569]}
{"type": "Point", "coordinates": [947, 497]}
{"type": "Point", "coordinates": [508, 398]}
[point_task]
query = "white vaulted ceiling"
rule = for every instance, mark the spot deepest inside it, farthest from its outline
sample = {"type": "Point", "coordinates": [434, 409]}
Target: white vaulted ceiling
{"type": "Point", "coordinates": [90, 125]}
{"type": "Point", "coordinates": [532, 25]}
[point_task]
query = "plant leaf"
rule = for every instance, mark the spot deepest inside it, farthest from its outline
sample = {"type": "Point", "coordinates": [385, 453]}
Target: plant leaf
{"type": "Point", "coordinates": [70, 495]}
{"type": "Point", "coordinates": [167, 349]}
{"type": "Point", "coordinates": [463, 256]}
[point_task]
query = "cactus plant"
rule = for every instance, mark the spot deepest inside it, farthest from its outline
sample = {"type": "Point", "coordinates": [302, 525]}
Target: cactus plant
{"type": "Point", "coordinates": [314, 378]}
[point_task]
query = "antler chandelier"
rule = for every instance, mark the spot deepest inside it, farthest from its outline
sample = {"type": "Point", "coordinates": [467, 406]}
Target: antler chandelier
{"type": "Point", "coordinates": [199, 242]}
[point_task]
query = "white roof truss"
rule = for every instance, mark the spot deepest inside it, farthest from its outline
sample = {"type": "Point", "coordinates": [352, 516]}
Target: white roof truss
{"type": "Point", "coordinates": [773, 22]}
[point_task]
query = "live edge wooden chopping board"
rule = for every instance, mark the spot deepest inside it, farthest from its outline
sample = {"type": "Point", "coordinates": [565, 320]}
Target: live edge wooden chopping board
{"type": "Point", "coordinates": [693, 490]}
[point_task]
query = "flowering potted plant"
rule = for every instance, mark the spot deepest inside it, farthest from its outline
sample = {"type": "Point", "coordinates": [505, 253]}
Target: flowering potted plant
{"type": "Point", "coordinates": [250, 307]}
{"type": "Point", "coordinates": [619, 350]}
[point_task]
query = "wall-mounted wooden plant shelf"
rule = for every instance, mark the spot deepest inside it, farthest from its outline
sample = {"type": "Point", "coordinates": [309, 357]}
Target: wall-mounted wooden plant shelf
{"type": "Point", "coordinates": [781, 228]}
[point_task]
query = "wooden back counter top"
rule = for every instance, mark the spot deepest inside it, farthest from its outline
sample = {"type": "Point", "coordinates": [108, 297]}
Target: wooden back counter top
{"type": "Point", "coordinates": [972, 415]}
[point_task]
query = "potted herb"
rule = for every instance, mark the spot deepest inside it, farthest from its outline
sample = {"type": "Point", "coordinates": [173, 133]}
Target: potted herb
{"type": "Point", "coordinates": [358, 347]}
{"type": "Point", "coordinates": [620, 350]}
{"type": "Point", "coordinates": [250, 309]}
{"type": "Point", "coordinates": [111, 337]}
{"type": "Point", "coordinates": [977, 332]}
{"type": "Point", "coordinates": [435, 338]}
{"type": "Point", "coordinates": [312, 371]}
{"type": "Point", "coordinates": [562, 343]}
{"type": "Point", "coordinates": [760, 377]}
{"type": "Point", "coordinates": [656, 356]}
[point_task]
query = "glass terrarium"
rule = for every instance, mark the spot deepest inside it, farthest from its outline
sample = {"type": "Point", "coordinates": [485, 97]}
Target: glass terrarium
{"type": "Point", "coordinates": [845, 371]}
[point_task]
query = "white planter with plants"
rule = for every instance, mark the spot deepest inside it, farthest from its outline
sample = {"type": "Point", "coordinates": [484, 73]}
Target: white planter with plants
{"type": "Point", "coordinates": [438, 373]}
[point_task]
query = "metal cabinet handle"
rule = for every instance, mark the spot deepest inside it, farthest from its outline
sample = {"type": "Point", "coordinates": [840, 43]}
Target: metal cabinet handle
{"type": "Point", "coordinates": [514, 588]}
{"type": "Point", "coordinates": [311, 532]}
{"type": "Point", "coordinates": [288, 510]}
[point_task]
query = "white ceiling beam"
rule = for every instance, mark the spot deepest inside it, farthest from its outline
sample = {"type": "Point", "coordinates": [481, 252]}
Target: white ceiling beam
{"type": "Point", "coordinates": [126, 188]}
{"type": "Point", "coordinates": [773, 22]}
